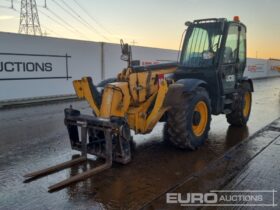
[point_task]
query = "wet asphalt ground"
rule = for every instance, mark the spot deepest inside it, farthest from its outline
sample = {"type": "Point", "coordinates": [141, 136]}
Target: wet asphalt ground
{"type": "Point", "coordinates": [35, 137]}
{"type": "Point", "coordinates": [250, 168]}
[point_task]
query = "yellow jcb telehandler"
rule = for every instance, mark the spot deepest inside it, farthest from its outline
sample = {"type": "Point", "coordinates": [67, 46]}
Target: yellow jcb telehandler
{"type": "Point", "coordinates": [208, 79]}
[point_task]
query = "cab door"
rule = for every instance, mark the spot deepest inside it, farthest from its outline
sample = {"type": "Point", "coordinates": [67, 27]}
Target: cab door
{"type": "Point", "coordinates": [230, 59]}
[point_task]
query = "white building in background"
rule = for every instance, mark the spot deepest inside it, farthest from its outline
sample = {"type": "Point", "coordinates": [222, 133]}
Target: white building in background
{"type": "Point", "coordinates": [33, 66]}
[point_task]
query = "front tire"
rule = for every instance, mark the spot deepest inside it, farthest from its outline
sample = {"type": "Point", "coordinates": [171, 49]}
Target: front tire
{"type": "Point", "coordinates": [241, 108]}
{"type": "Point", "coordinates": [188, 125]}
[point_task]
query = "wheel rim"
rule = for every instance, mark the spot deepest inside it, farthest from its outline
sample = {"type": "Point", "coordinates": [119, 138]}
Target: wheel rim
{"type": "Point", "coordinates": [199, 127]}
{"type": "Point", "coordinates": [247, 104]}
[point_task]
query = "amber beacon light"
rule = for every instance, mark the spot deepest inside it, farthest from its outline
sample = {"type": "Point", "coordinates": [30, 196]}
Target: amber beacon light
{"type": "Point", "coordinates": [236, 19]}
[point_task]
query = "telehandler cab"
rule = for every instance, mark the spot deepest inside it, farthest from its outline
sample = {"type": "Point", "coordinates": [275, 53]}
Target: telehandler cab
{"type": "Point", "coordinates": [208, 79]}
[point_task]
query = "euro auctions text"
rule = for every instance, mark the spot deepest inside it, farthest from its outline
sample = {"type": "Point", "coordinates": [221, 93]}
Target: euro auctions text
{"type": "Point", "coordinates": [224, 198]}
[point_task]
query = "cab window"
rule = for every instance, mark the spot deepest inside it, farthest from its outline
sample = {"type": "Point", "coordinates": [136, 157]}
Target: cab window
{"type": "Point", "coordinates": [202, 42]}
{"type": "Point", "coordinates": [242, 46]}
{"type": "Point", "coordinates": [230, 52]}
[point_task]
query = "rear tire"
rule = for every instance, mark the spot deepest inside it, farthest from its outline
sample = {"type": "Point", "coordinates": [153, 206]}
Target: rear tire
{"type": "Point", "coordinates": [188, 125]}
{"type": "Point", "coordinates": [241, 108]}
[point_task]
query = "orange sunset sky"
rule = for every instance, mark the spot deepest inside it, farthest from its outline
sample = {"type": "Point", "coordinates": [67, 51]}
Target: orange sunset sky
{"type": "Point", "coordinates": [153, 23]}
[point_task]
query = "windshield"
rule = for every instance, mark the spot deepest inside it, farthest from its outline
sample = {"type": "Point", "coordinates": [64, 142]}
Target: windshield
{"type": "Point", "coordinates": [201, 45]}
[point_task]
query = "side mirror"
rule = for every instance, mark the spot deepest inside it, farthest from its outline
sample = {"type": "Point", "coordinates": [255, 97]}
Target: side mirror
{"type": "Point", "coordinates": [126, 52]}
{"type": "Point", "coordinates": [188, 23]}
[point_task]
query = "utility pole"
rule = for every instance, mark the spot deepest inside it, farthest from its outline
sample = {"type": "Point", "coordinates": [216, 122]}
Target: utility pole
{"type": "Point", "coordinates": [133, 42]}
{"type": "Point", "coordinates": [12, 4]}
{"type": "Point", "coordinates": [29, 18]}
{"type": "Point", "coordinates": [45, 5]}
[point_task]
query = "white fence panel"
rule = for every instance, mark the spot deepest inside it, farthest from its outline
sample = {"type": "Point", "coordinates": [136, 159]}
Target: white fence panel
{"type": "Point", "coordinates": [32, 66]}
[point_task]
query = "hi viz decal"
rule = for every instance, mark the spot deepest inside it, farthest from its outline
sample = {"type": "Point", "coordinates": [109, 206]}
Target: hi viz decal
{"type": "Point", "coordinates": [160, 78]}
{"type": "Point", "coordinates": [20, 66]}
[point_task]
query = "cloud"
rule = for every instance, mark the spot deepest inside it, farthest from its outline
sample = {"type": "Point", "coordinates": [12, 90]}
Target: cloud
{"type": "Point", "coordinates": [7, 17]}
